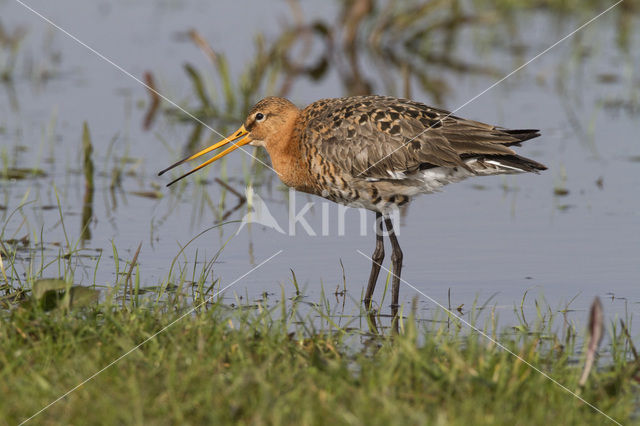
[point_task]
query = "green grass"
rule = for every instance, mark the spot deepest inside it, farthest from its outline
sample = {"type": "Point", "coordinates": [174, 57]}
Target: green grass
{"type": "Point", "coordinates": [250, 366]}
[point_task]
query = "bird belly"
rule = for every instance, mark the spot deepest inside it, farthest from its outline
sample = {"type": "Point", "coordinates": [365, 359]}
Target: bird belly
{"type": "Point", "coordinates": [382, 196]}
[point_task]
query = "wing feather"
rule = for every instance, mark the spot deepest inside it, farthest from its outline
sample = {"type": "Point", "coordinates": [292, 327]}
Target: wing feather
{"type": "Point", "coordinates": [375, 137]}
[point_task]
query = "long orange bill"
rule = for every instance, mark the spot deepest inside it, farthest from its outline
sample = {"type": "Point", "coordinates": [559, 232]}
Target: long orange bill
{"type": "Point", "coordinates": [237, 134]}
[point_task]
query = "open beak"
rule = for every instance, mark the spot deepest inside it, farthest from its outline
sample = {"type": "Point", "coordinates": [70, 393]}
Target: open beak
{"type": "Point", "coordinates": [235, 145]}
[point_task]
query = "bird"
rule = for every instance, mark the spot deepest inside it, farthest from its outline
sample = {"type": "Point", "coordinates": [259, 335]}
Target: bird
{"type": "Point", "coordinates": [374, 152]}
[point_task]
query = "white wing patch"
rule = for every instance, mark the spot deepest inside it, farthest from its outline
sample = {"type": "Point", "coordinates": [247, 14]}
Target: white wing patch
{"type": "Point", "coordinates": [435, 178]}
{"type": "Point", "coordinates": [504, 166]}
{"type": "Point", "coordinates": [397, 175]}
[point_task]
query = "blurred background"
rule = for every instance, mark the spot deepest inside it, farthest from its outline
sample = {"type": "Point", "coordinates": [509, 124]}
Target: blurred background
{"type": "Point", "coordinates": [81, 142]}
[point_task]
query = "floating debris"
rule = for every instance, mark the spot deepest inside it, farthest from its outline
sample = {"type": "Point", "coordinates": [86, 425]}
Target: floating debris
{"type": "Point", "coordinates": [18, 173]}
{"type": "Point", "coordinates": [147, 194]}
{"type": "Point", "coordinates": [608, 78]}
{"type": "Point", "coordinates": [600, 182]}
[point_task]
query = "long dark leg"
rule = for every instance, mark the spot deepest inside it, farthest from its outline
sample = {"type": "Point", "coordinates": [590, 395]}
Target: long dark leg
{"type": "Point", "coordinates": [377, 258]}
{"type": "Point", "coordinates": [396, 260]}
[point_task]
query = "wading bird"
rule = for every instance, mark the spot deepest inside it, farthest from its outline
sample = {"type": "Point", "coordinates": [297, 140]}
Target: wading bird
{"type": "Point", "coordinates": [376, 153]}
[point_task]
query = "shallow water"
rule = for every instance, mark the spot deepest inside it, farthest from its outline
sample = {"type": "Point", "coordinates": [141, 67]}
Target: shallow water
{"type": "Point", "coordinates": [500, 236]}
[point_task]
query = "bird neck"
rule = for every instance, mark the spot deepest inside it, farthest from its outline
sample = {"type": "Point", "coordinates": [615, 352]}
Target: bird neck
{"type": "Point", "coordinates": [287, 158]}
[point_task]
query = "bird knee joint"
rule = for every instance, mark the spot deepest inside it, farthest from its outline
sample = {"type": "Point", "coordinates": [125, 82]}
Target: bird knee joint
{"type": "Point", "coordinates": [378, 256]}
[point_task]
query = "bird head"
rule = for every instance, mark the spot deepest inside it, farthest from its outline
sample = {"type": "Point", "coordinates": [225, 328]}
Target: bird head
{"type": "Point", "coordinates": [266, 125]}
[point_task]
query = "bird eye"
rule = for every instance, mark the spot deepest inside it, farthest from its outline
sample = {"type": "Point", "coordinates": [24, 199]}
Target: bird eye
{"type": "Point", "coordinates": [260, 116]}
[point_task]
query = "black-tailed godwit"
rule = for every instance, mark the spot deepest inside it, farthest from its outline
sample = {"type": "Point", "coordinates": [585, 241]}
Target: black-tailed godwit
{"type": "Point", "coordinates": [376, 153]}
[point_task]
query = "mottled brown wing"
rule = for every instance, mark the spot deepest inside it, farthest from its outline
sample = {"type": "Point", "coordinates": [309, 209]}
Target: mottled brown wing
{"type": "Point", "coordinates": [381, 137]}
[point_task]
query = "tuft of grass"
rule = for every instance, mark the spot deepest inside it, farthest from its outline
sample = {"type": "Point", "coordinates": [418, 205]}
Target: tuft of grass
{"type": "Point", "coordinates": [255, 365]}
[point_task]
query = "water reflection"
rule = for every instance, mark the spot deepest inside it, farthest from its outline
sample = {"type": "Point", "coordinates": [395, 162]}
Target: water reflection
{"type": "Point", "coordinates": [87, 201]}
{"type": "Point", "coordinates": [416, 42]}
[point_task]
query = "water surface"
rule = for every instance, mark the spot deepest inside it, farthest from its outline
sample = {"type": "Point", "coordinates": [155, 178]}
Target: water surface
{"type": "Point", "coordinates": [566, 235]}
